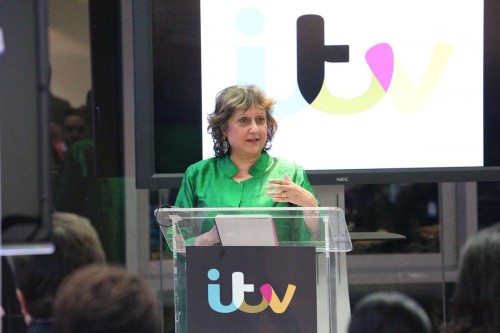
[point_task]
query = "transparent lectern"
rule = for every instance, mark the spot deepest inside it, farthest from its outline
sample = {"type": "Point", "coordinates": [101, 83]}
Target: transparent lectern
{"type": "Point", "coordinates": [323, 228]}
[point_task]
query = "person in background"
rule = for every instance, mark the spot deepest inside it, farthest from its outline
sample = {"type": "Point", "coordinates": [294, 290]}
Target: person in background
{"type": "Point", "coordinates": [37, 277]}
{"type": "Point", "coordinates": [79, 189]}
{"type": "Point", "coordinates": [105, 299]}
{"type": "Point", "coordinates": [389, 312]}
{"type": "Point", "coordinates": [242, 173]}
{"type": "Point", "coordinates": [475, 305]}
{"type": "Point", "coordinates": [75, 127]}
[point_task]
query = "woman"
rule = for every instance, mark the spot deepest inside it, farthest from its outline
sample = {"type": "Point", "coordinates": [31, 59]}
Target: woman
{"type": "Point", "coordinates": [476, 299]}
{"type": "Point", "coordinates": [242, 173]}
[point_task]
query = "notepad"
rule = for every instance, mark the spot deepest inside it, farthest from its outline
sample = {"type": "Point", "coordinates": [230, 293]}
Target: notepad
{"type": "Point", "coordinates": [246, 230]}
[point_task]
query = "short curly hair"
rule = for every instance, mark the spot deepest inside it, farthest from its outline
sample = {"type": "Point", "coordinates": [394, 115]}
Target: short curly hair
{"type": "Point", "coordinates": [239, 97]}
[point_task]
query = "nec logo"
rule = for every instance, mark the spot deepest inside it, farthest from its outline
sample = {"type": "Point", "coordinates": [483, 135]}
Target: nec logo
{"type": "Point", "coordinates": [343, 179]}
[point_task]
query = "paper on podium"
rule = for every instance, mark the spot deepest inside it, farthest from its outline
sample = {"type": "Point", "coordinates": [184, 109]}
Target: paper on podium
{"type": "Point", "coordinates": [246, 230]}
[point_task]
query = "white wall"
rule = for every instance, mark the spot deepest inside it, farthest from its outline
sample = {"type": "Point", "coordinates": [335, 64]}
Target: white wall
{"type": "Point", "coordinates": [69, 50]}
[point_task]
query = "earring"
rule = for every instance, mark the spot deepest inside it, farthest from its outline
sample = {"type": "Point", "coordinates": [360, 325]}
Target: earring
{"type": "Point", "coordinates": [225, 146]}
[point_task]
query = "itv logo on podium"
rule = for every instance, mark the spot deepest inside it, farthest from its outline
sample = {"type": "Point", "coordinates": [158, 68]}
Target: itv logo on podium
{"type": "Point", "coordinates": [239, 287]}
{"type": "Point", "coordinates": [250, 289]}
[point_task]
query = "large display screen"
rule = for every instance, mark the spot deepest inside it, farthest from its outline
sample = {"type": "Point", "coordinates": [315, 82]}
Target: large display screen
{"type": "Point", "coordinates": [367, 91]}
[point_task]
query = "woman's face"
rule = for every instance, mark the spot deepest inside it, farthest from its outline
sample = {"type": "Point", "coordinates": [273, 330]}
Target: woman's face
{"type": "Point", "coordinates": [246, 132]}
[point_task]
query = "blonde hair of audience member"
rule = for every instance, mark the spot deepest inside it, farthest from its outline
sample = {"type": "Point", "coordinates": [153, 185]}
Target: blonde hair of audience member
{"type": "Point", "coordinates": [105, 299]}
{"type": "Point", "coordinates": [38, 277]}
{"type": "Point", "coordinates": [476, 300]}
{"type": "Point", "coordinates": [389, 312]}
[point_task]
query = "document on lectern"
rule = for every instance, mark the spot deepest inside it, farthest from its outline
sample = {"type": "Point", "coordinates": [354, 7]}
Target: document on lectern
{"type": "Point", "coordinates": [246, 230]}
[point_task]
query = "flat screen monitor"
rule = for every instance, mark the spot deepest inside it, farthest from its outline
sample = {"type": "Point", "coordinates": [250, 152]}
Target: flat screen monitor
{"type": "Point", "coordinates": [367, 91]}
{"type": "Point", "coordinates": [24, 129]}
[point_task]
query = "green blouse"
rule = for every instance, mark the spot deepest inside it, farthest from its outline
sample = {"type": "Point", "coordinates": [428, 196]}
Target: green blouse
{"type": "Point", "coordinates": [209, 183]}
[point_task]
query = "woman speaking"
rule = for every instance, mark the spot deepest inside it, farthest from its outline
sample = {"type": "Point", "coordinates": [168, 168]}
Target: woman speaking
{"type": "Point", "coordinates": [242, 173]}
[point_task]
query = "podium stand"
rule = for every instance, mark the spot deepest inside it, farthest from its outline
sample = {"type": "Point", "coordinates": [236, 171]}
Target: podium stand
{"type": "Point", "coordinates": [323, 228]}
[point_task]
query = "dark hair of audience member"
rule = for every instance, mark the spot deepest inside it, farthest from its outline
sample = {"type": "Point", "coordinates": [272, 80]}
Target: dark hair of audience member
{"type": "Point", "coordinates": [389, 312]}
{"type": "Point", "coordinates": [38, 277]}
{"type": "Point", "coordinates": [105, 299]}
{"type": "Point", "coordinates": [476, 299]}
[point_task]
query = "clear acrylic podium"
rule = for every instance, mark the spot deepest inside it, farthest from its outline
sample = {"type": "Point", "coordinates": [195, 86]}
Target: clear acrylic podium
{"type": "Point", "coordinates": [323, 228]}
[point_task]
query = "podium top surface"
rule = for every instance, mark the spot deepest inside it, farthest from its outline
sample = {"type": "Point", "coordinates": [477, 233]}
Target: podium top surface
{"type": "Point", "coordinates": [375, 236]}
{"type": "Point", "coordinates": [164, 216]}
{"type": "Point", "coordinates": [321, 227]}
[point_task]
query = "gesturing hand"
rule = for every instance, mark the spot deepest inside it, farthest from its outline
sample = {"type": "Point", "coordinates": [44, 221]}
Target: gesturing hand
{"type": "Point", "coordinates": [285, 190]}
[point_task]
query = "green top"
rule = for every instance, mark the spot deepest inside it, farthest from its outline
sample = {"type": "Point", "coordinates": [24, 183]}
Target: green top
{"type": "Point", "coordinates": [209, 183]}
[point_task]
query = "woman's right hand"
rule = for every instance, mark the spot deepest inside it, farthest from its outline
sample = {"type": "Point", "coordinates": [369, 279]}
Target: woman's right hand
{"type": "Point", "coordinates": [209, 238]}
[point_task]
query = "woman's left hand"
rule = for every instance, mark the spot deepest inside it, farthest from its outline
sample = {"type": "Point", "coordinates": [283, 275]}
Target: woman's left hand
{"type": "Point", "coordinates": [285, 190]}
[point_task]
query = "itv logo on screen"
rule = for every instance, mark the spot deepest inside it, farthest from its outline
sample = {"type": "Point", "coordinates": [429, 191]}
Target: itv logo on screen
{"type": "Point", "coordinates": [239, 288]}
{"type": "Point", "coordinates": [388, 76]}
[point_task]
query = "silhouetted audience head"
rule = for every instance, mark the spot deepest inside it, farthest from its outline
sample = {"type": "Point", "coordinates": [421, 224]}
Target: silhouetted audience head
{"type": "Point", "coordinates": [38, 277]}
{"type": "Point", "coordinates": [389, 312]}
{"type": "Point", "coordinates": [476, 299]}
{"type": "Point", "coordinates": [105, 299]}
